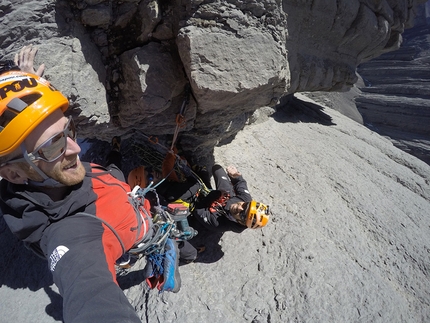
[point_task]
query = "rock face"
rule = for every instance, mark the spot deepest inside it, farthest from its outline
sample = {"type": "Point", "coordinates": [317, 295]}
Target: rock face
{"type": "Point", "coordinates": [348, 239]}
{"type": "Point", "coordinates": [127, 64]}
{"type": "Point", "coordinates": [395, 98]}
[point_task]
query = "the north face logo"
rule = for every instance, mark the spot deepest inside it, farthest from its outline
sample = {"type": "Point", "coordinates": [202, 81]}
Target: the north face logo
{"type": "Point", "coordinates": [56, 255]}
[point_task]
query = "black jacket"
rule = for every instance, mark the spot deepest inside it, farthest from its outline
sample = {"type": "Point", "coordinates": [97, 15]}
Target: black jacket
{"type": "Point", "coordinates": [218, 220]}
{"type": "Point", "coordinates": [80, 248]}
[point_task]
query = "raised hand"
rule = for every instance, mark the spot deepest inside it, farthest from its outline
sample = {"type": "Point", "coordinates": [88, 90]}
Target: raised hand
{"type": "Point", "coordinates": [25, 60]}
{"type": "Point", "coordinates": [232, 171]}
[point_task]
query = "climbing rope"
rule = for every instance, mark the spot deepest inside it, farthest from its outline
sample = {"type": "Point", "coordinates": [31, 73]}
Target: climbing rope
{"type": "Point", "coordinates": [180, 117]}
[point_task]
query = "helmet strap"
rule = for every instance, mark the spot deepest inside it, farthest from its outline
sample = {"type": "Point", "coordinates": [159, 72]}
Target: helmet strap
{"type": "Point", "coordinates": [47, 181]}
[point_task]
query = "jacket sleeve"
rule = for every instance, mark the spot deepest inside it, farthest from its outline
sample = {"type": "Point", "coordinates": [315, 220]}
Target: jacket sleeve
{"type": "Point", "coordinates": [241, 188]}
{"type": "Point", "coordinates": [90, 292]}
{"type": "Point", "coordinates": [208, 219]}
{"type": "Point", "coordinates": [216, 222]}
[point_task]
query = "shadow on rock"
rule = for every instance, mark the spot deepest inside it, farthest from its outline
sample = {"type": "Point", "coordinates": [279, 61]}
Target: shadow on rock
{"type": "Point", "coordinates": [210, 241]}
{"type": "Point", "coordinates": [55, 308]}
{"type": "Point", "coordinates": [292, 109]}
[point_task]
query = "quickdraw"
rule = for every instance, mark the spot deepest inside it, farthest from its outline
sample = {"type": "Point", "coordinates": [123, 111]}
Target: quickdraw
{"type": "Point", "coordinates": [180, 117]}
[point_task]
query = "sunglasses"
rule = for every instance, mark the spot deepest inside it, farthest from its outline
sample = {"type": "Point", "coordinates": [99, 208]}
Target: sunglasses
{"type": "Point", "coordinates": [244, 213]}
{"type": "Point", "coordinates": [54, 147]}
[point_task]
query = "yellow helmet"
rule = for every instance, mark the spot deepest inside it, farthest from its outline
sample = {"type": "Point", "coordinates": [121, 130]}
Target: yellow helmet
{"type": "Point", "coordinates": [255, 214]}
{"type": "Point", "coordinates": [25, 101]}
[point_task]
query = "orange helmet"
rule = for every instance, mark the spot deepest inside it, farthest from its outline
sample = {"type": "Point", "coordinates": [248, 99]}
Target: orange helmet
{"type": "Point", "coordinates": [255, 214]}
{"type": "Point", "coordinates": [25, 101]}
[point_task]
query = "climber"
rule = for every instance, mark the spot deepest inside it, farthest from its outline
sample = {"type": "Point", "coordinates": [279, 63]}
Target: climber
{"type": "Point", "coordinates": [77, 215]}
{"type": "Point", "coordinates": [228, 207]}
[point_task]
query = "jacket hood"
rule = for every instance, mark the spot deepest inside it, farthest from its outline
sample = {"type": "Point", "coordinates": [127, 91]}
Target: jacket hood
{"type": "Point", "coordinates": [28, 211]}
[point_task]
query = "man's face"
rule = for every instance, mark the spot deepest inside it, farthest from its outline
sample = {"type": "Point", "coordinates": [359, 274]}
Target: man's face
{"type": "Point", "coordinates": [67, 169]}
{"type": "Point", "coordinates": [235, 210]}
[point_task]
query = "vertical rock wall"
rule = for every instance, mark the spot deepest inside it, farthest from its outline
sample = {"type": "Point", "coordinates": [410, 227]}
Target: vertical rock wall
{"type": "Point", "coordinates": [395, 96]}
{"type": "Point", "coordinates": [125, 65]}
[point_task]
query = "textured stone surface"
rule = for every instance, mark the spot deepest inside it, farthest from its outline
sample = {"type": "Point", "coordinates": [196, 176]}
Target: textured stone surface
{"type": "Point", "coordinates": [348, 239]}
{"type": "Point", "coordinates": [237, 56]}
{"type": "Point", "coordinates": [349, 236]}
{"type": "Point", "coordinates": [395, 96]}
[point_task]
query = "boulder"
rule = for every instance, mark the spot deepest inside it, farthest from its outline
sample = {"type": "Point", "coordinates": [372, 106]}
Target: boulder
{"type": "Point", "coordinates": [237, 56]}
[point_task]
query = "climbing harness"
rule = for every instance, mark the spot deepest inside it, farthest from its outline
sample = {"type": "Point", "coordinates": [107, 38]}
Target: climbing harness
{"type": "Point", "coordinates": [168, 222]}
{"type": "Point", "coordinates": [219, 204]}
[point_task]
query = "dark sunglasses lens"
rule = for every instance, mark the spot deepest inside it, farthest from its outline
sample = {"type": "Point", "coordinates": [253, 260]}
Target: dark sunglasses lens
{"type": "Point", "coordinates": [242, 214]}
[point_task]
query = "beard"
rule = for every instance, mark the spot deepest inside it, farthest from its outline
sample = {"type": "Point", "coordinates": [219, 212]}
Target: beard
{"type": "Point", "coordinates": [69, 176]}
